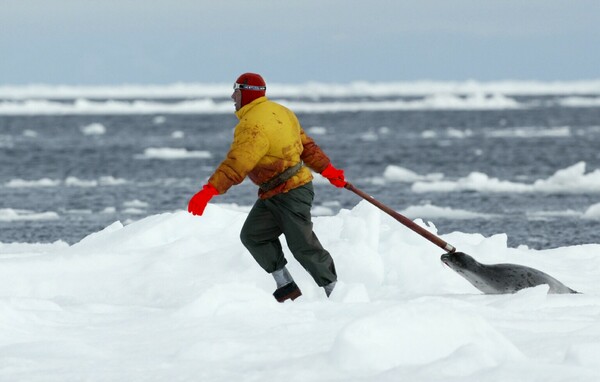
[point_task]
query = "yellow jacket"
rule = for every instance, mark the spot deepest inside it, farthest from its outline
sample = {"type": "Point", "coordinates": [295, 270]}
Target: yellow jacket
{"type": "Point", "coordinates": [267, 140]}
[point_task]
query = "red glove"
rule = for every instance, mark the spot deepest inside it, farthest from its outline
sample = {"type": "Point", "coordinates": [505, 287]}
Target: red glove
{"type": "Point", "coordinates": [335, 176]}
{"type": "Point", "coordinates": [199, 201]}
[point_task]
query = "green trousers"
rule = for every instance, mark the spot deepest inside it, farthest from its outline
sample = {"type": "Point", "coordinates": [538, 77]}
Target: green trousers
{"type": "Point", "coordinates": [288, 214]}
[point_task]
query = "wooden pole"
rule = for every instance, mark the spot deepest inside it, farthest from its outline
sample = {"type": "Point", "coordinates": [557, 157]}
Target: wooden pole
{"type": "Point", "coordinates": [403, 219]}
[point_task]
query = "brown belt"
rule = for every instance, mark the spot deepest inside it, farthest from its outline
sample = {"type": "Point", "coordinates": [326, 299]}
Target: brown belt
{"type": "Point", "coordinates": [281, 178]}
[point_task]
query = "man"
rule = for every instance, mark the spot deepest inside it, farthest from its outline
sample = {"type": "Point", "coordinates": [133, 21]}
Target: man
{"type": "Point", "coordinates": [270, 147]}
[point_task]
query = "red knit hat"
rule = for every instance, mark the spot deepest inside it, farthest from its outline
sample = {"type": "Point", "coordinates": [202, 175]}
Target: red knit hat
{"type": "Point", "coordinates": [252, 86]}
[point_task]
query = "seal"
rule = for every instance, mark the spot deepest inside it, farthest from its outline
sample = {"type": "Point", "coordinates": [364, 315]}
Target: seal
{"type": "Point", "coordinates": [501, 278]}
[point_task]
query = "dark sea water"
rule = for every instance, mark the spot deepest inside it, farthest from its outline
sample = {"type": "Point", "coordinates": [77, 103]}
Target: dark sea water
{"type": "Point", "coordinates": [511, 145]}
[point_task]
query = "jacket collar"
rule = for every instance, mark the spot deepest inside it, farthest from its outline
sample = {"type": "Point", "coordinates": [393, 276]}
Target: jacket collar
{"type": "Point", "coordinates": [246, 108]}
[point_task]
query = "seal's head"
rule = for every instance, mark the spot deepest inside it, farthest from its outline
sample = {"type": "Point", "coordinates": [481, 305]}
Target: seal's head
{"type": "Point", "coordinates": [459, 261]}
{"type": "Point", "coordinates": [475, 273]}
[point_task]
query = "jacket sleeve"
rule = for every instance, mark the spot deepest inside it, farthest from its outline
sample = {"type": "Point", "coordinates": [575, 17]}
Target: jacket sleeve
{"type": "Point", "coordinates": [249, 145]}
{"type": "Point", "coordinates": [312, 155]}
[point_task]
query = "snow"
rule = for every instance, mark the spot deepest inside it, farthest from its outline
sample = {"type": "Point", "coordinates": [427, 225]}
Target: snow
{"type": "Point", "coordinates": [476, 101]}
{"type": "Point", "coordinates": [580, 101]}
{"type": "Point", "coordinates": [113, 107]}
{"type": "Point", "coordinates": [214, 98]}
{"type": "Point", "coordinates": [572, 179]}
{"type": "Point", "coordinates": [212, 106]}
{"type": "Point", "coordinates": [177, 297]}
{"type": "Point", "coordinates": [315, 89]}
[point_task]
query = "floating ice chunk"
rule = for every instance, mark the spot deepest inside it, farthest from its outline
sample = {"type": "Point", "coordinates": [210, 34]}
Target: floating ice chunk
{"type": "Point", "coordinates": [580, 101]}
{"type": "Point", "coordinates": [321, 211]}
{"type": "Point", "coordinates": [369, 136]}
{"type": "Point", "coordinates": [159, 120]}
{"type": "Point", "coordinates": [135, 204]}
{"type": "Point", "coordinates": [429, 211]}
{"type": "Point", "coordinates": [317, 130]}
{"type": "Point", "coordinates": [10, 215]}
{"type": "Point", "coordinates": [168, 153]}
{"type": "Point", "coordinates": [569, 180]}
{"type": "Point", "coordinates": [94, 129]}
{"type": "Point", "coordinates": [401, 174]}
{"type": "Point", "coordinates": [593, 212]}
{"type": "Point", "coordinates": [21, 183]}
{"type": "Point", "coordinates": [73, 181]}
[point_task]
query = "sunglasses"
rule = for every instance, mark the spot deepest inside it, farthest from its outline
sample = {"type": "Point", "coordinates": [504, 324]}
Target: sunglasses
{"type": "Point", "coordinates": [237, 86]}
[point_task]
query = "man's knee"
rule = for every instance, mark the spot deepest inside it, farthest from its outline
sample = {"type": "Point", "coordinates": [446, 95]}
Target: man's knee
{"type": "Point", "coordinates": [246, 237]}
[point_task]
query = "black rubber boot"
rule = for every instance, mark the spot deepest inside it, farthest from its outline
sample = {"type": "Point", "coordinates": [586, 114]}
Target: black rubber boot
{"type": "Point", "coordinates": [287, 292]}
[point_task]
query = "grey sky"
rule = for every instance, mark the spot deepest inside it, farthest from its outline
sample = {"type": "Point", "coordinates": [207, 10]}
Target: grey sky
{"type": "Point", "coordinates": [160, 41]}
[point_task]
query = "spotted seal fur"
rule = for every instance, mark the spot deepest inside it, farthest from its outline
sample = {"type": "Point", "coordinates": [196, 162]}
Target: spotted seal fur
{"type": "Point", "coordinates": [501, 278]}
